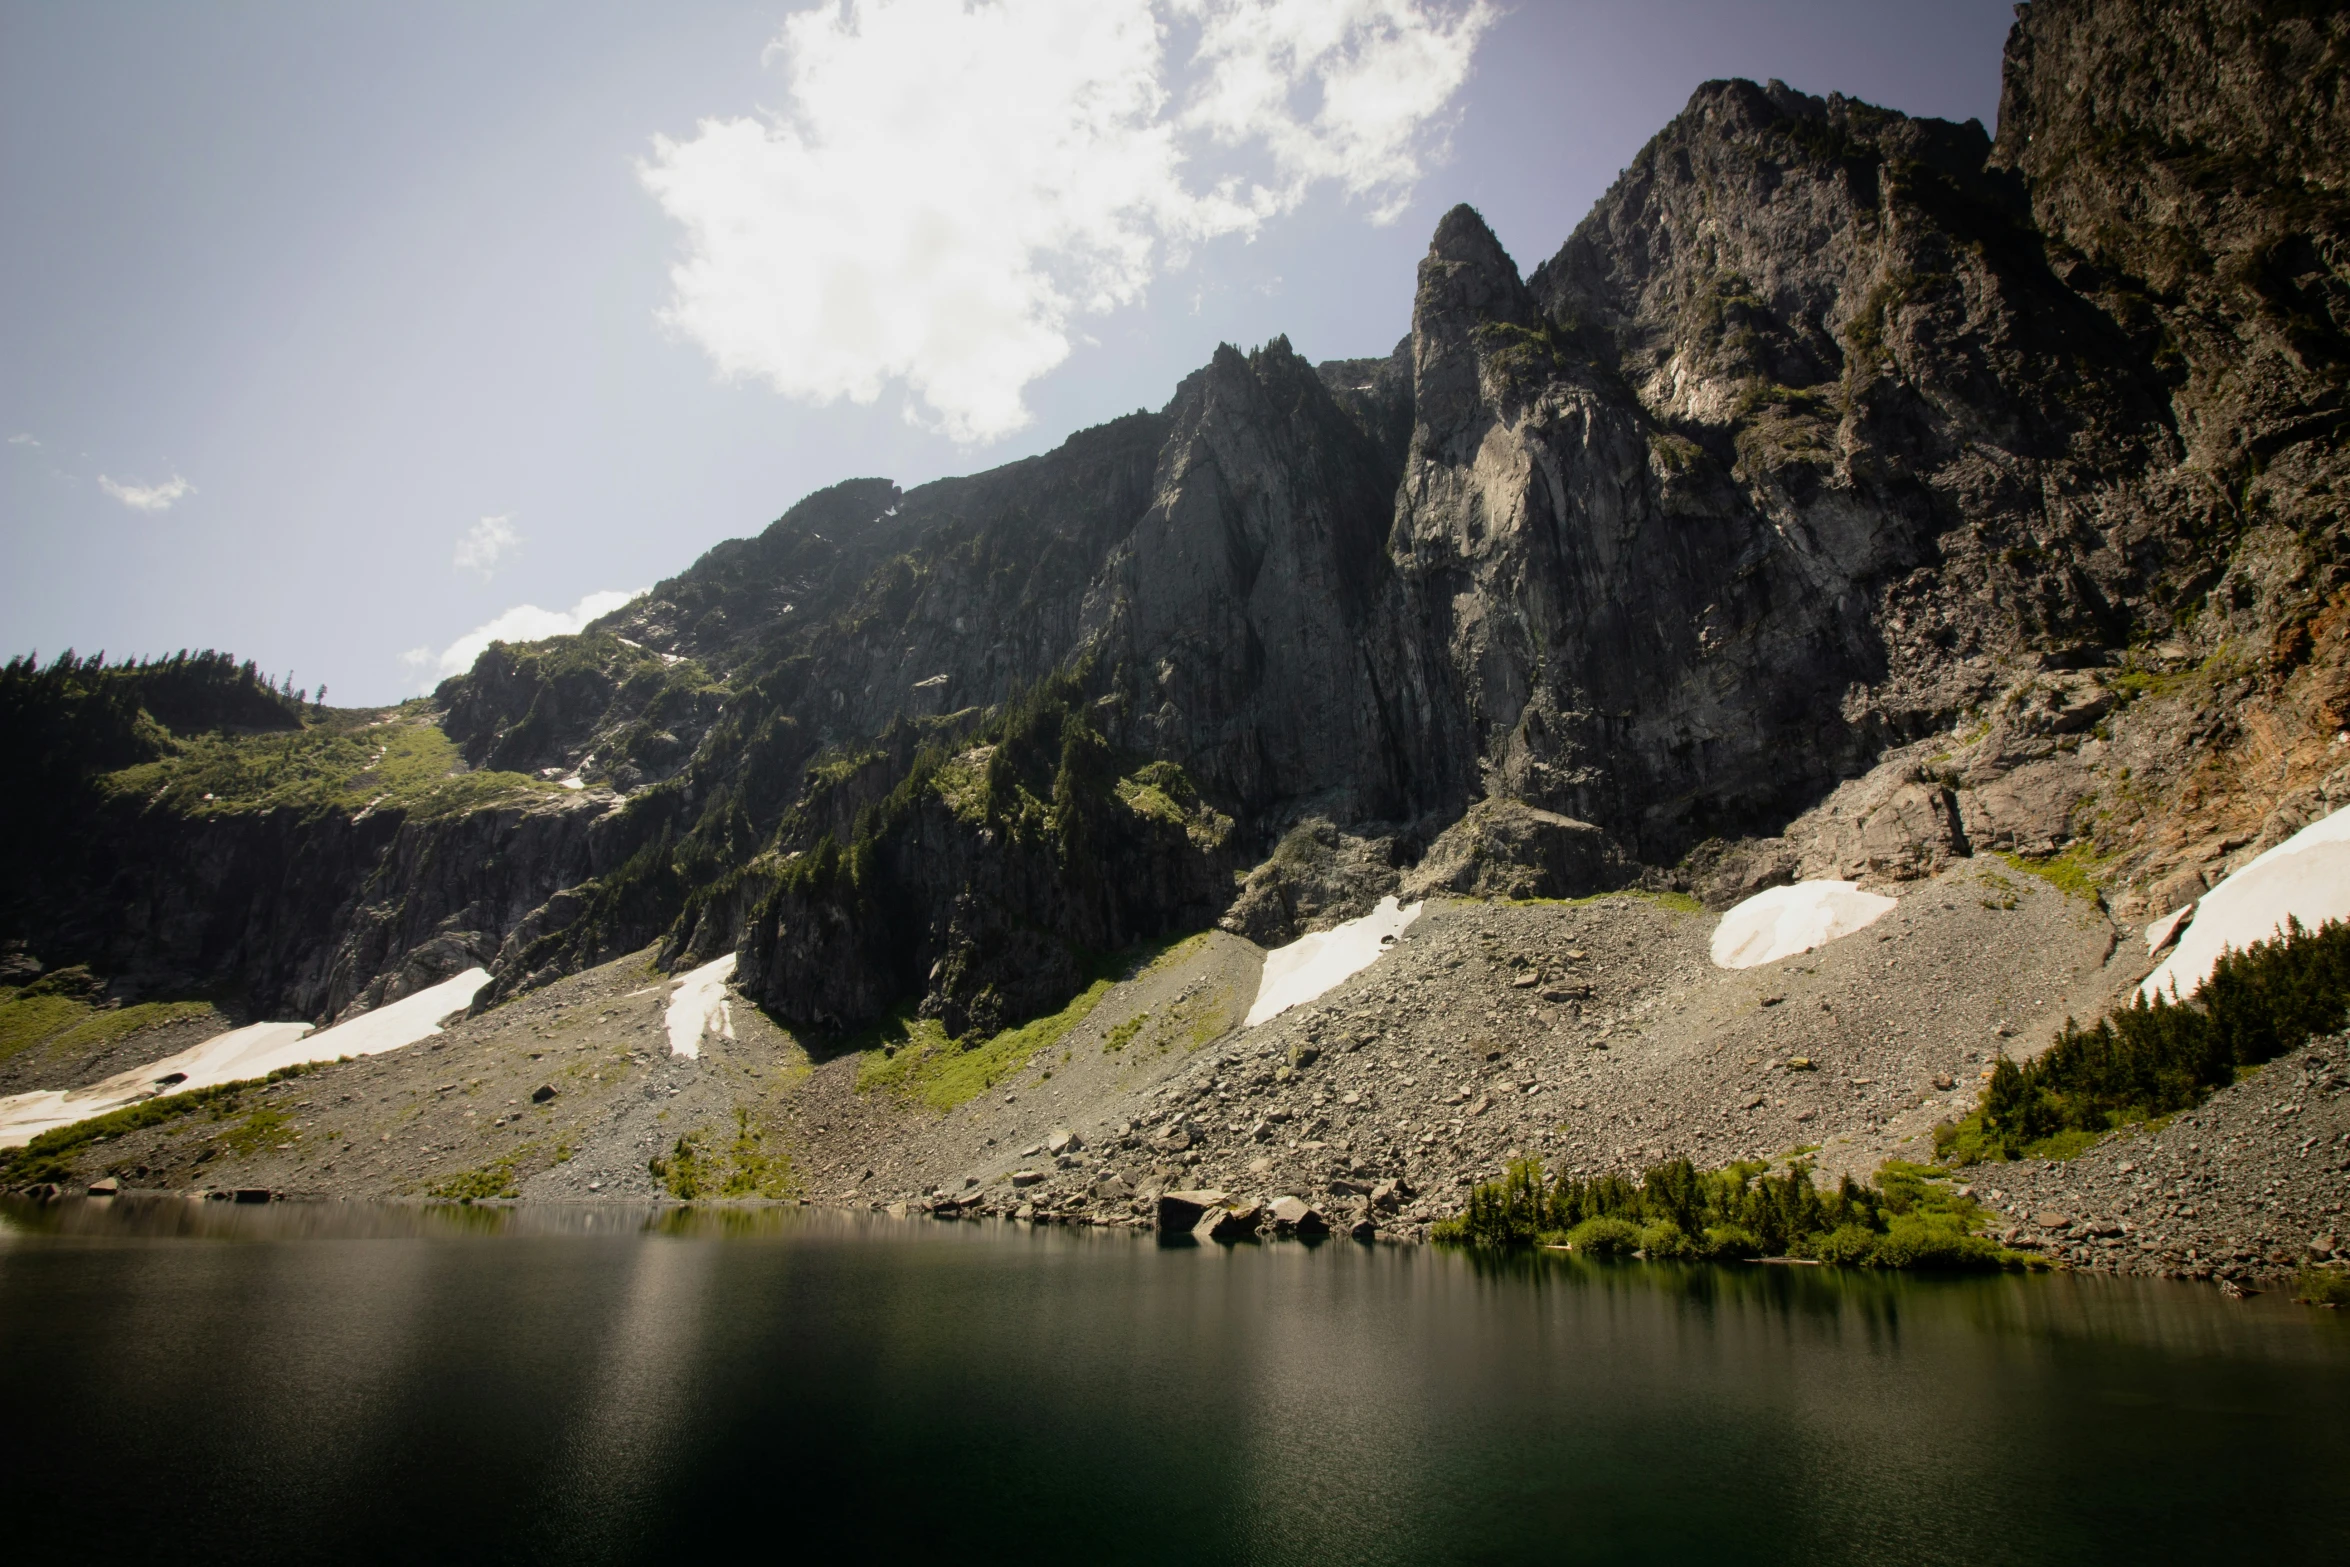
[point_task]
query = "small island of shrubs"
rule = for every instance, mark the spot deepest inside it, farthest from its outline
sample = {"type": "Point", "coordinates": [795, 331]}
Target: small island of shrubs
{"type": "Point", "coordinates": [1906, 1218]}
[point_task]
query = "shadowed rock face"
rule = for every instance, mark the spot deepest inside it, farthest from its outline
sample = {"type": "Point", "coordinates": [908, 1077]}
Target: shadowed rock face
{"type": "Point", "coordinates": [1248, 614]}
{"type": "Point", "coordinates": [1828, 431]}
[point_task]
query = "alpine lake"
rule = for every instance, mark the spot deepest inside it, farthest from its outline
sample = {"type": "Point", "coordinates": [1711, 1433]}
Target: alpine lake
{"type": "Point", "coordinates": [188, 1382]}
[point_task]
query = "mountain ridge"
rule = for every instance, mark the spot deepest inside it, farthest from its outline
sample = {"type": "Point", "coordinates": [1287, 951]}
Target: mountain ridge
{"type": "Point", "coordinates": [1848, 491]}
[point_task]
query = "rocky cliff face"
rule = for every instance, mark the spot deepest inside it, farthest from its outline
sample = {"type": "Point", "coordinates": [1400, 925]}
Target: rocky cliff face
{"type": "Point", "coordinates": [1850, 492]}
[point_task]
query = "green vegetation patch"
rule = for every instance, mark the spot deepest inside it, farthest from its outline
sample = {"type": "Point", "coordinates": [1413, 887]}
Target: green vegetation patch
{"type": "Point", "coordinates": [404, 762]}
{"type": "Point", "coordinates": [495, 1179]}
{"type": "Point", "coordinates": [63, 1012]}
{"type": "Point", "coordinates": [2322, 1287]}
{"type": "Point", "coordinates": [1523, 356]}
{"type": "Point", "coordinates": [1909, 1217]}
{"type": "Point", "coordinates": [925, 1066]}
{"type": "Point", "coordinates": [1671, 902]}
{"type": "Point", "coordinates": [1164, 792]}
{"type": "Point", "coordinates": [47, 1157]}
{"type": "Point", "coordinates": [699, 1166]}
{"type": "Point", "coordinates": [2078, 872]}
{"type": "Point", "coordinates": [262, 1129]}
{"type": "Point", "coordinates": [2152, 1059]}
{"type": "Point", "coordinates": [961, 781]}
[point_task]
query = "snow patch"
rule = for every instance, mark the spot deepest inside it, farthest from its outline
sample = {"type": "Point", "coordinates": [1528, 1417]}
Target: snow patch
{"type": "Point", "coordinates": [255, 1050]}
{"type": "Point", "coordinates": [1319, 962]}
{"type": "Point", "coordinates": [699, 1006]}
{"type": "Point", "coordinates": [2307, 877]}
{"type": "Point", "coordinates": [1782, 921]}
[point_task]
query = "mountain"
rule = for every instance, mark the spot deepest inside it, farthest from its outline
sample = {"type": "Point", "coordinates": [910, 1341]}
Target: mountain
{"type": "Point", "coordinates": [1848, 493]}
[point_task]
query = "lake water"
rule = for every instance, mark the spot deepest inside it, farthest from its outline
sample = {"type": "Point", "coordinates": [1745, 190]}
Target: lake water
{"type": "Point", "coordinates": [192, 1383]}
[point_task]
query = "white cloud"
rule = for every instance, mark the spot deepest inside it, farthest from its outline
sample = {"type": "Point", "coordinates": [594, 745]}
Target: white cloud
{"type": "Point", "coordinates": [487, 545]}
{"type": "Point", "coordinates": [954, 181]}
{"type": "Point", "coordinates": [522, 623]}
{"type": "Point", "coordinates": [147, 497]}
{"type": "Point", "coordinates": [1382, 70]}
{"type": "Point", "coordinates": [24, 438]}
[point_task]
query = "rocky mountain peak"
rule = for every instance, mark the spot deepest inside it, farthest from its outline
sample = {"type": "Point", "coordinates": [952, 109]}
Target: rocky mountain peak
{"type": "Point", "coordinates": [1831, 441]}
{"type": "Point", "coordinates": [1466, 279]}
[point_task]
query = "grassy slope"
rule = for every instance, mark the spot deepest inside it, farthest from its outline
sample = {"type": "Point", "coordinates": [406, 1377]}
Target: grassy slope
{"type": "Point", "coordinates": [912, 1058]}
{"type": "Point", "coordinates": [32, 1018]}
{"type": "Point", "coordinates": [346, 761]}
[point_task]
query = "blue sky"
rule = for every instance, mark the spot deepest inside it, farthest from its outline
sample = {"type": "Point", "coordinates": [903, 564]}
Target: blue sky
{"type": "Point", "coordinates": [333, 334]}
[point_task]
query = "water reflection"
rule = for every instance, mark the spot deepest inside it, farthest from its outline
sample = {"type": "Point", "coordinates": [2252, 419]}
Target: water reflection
{"type": "Point", "coordinates": [623, 1431]}
{"type": "Point", "coordinates": [617, 1383]}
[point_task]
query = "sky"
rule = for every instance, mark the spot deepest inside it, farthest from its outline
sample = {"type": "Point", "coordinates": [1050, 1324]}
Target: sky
{"type": "Point", "coordinates": [349, 337]}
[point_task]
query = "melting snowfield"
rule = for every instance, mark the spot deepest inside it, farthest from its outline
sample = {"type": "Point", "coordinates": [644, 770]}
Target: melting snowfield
{"type": "Point", "coordinates": [699, 1006]}
{"type": "Point", "coordinates": [253, 1051]}
{"type": "Point", "coordinates": [1315, 963]}
{"type": "Point", "coordinates": [2307, 876]}
{"type": "Point", "coordinates": [1783, 921]}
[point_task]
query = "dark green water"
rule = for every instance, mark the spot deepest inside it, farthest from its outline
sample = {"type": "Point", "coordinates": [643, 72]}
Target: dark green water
{"type": "Point", "coordinates": [187, 1383]}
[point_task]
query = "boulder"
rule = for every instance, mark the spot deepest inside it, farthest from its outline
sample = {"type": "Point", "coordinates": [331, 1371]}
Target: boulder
{"type": "Point", "coordinates": [106, 1186]}
{"type": "Point", "coordinates": [1318, 876]}
{"type": "Point", "coordinates": [1294, 1215]}
{"type": "Point", "coordinates": [541, 1094]}
{"type": "Point", "coordinates": [1063, 1141]}
{"type": "Point", "coordinates": [1508, 848]}
{"type": "Point", "coordinates": [1179, 1212]}
{"type": "Point", "coordinates": [1235, 1223]}
{"type": "Point", "coordinates": [1027, 1177]}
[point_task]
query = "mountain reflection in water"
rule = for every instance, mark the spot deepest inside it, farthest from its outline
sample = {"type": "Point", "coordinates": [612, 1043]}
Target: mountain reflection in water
{"type": "Point", "coordinates": [199, 1382]}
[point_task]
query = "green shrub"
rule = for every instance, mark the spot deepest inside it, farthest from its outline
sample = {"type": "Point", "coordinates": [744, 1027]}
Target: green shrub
{"type": "Point", "coordinates": [491, 1180]}
{"type": "Point", "coordinates": [1846, 1246]}
{"type": "Point", "coordinates": [2152, 1059]}
{"type": "Point", "coordinates": [1909, 1218]}
{"type": "Point", "coordinates": [1604, 1237]}
{"type": "Point", "coordinates": [1664, 1241]}
{"type": "Point", "coordinates": [1507, 1212]}
{"type": "Point", "coordinates": [2322, 1287]}
{"type": "Point", "coordinates": [1922, 1241]}
{"type": "Point", "coordinates": [1731, 1243]}
{"type": "Point", "coordinates": [696, 1166]}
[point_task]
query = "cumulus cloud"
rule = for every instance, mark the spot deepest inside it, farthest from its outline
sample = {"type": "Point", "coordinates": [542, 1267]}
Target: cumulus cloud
{"type": "Point", "coordinates": [147, 497]}
{"type": "Point", "coordinates": [1338, 90]}
{"type": "Point", "coordinates": [522, 623]}
{"type": "Point", "coordinates": [487, 545]}
{"type": "Point", "coordinates": [951, 184]}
